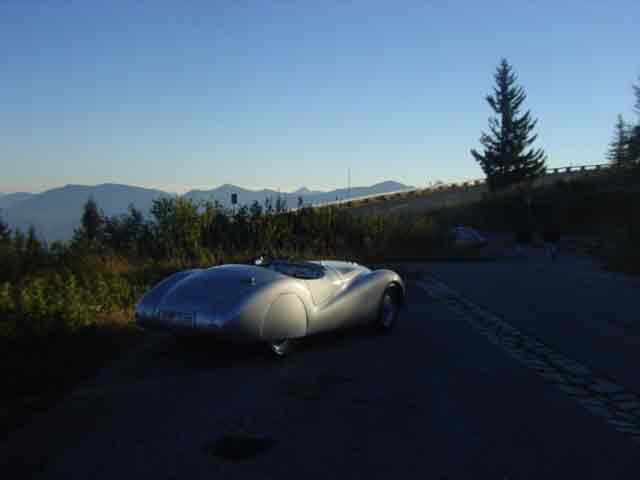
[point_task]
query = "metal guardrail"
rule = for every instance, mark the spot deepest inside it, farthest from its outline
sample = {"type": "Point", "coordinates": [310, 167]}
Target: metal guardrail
{"type": "Point", "coordinates": [364, 197]}
{"type": "Point", "coordinates": [462, 184]}
{"type": "Point", "coordinates": [580, 168]}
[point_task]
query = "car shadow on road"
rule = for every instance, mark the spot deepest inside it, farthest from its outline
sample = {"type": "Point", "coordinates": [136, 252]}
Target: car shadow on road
{"type": "Point", "coordinates": [216, 353]}
{"type": "Point", "coordinates": [168, 357]}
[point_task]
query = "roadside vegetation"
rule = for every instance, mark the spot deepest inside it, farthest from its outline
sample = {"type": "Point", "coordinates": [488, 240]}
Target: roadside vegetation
{"type": "Point", "coordinates": [602, 209]}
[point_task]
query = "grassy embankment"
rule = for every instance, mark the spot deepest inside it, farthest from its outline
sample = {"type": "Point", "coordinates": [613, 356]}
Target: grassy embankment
{"type": "Point", "coordinates": [602, 209]}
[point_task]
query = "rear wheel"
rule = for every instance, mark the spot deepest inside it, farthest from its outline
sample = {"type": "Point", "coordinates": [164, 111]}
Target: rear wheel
{"type": "Point", "coordinates": [282, 347]}
{"type": "Point", "coordinates": [188, 342]}
{"type": "Point", "coordinates": [389, 310]}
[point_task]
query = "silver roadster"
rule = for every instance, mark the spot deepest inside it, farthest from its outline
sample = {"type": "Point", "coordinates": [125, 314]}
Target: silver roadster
{"type": "Point", "coordinates": [274, 302]}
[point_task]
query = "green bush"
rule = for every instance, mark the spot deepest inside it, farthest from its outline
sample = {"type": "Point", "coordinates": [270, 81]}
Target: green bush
{"type": "Point", "coordinates": [7, 311]}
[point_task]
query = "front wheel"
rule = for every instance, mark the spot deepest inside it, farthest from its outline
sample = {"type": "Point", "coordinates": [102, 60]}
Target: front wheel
{"type": "Point", "coordinates": [389, 311]}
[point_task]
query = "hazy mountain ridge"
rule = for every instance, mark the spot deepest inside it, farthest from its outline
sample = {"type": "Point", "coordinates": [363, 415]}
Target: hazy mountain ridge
{"type": "Point", "coordinates": [8, 200]}
{"type": "Point", "coordinates": [245, 196]}
{"type": "Point", "coordinates": [306, 191]}
{"type": "Point", "coordinates": [56, 213]}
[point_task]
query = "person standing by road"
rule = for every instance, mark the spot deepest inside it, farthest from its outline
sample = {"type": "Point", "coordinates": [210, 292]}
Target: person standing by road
{"type": "Point", "coordinates": [524, 225]}
{"type": "Point", "coordinates": [551, 234]}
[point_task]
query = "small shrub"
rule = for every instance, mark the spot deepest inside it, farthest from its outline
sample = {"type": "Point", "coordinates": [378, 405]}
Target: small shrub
{"type": "Point", "coordinates": [7, 311]}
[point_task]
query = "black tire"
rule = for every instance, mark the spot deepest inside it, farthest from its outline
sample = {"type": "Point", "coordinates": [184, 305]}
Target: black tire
{"type": "Point", "coordinates": [389, 310]}
{"type": "Point", "coordinates": [189, 342]}
{"type": "Point", "coordinates": [281, 348]}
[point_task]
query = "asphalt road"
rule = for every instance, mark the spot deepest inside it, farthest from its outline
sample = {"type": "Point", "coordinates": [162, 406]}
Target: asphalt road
{"type": "Point", "coordinates": [442, 396]}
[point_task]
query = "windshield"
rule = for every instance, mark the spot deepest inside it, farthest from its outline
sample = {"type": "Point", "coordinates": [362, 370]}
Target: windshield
{"type": "Point", "coordinates": [342, 267]}
{"type": "Point", "coordinates": [305, 270]}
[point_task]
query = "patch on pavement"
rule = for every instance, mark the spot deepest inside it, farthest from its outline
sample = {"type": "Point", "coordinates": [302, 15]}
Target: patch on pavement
{"type": "Point", "coordinates": [600, 395]}
{"type": "Point", "coordinates": [238, 447]}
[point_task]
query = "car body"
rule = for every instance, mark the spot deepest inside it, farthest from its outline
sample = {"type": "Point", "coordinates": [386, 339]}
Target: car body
{"type": "Point", "coordinates": [273, 302]}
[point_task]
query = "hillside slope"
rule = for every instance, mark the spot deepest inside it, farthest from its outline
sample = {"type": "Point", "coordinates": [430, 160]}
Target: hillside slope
{"type": "Point", "coordinates": [222, 194]}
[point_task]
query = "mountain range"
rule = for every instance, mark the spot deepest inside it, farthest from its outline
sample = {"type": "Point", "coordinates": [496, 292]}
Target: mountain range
{"type": "Point", "coordinates": [11, 199]}
{"type": "Point", "coordinates": [56, 213]}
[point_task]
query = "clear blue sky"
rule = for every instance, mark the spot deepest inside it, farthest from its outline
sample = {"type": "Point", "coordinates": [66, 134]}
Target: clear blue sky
{"type": "Point", "coordinates": [287, 93]}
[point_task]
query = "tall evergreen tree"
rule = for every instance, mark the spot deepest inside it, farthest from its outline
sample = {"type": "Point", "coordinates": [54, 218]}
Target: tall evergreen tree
{"type": "Point", "coordinates": [634, 133]}
{"type": "Point", "coordinates": [508, 157]}
{"type": "Point", "coordinates": [255, 210]}
{"type": "Point", "coordinates": [33, 246]}
{"type": "Point", "coordinates": [19, 240]}
{"type": "Point", "coordinates": [281, 204]}
{"type": "Point", "coordinates": [92, 221]}
{"type": "Point", "coordinates": [5, 232]}
{"type": "Point", "coordinates": [618, 153]}
{"type": "Point", "coordinates": [633, 149]}
{"type": "Point", "coordinates": [34, 250]}
{"type": "Point", "coordinates": [636, 91]}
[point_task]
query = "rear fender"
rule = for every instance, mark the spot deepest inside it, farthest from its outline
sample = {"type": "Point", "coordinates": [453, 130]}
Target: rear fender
{"type": "Point", "coordinates": [146, 307]}
{"type": "Point", "coordinates": [286, 318]}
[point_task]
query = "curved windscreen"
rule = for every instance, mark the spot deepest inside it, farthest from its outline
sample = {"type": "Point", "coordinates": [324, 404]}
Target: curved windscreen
{"type": "Point", "coordinates": [344, 268]}
{"type": "Point", "coordinates": [303, 270]}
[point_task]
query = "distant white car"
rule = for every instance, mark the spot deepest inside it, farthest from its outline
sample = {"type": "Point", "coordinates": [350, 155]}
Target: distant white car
{"type": "Point", "coordinates": [467, 237]}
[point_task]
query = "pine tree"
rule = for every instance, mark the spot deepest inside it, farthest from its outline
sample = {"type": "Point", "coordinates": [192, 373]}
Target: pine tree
{"type": "Point", "coordinates": [33, 249]}
{"type": "Point", "coordinates": [634, 133]}
{"type": "Point", "coordinates": [281, 204]}
{"type": "Point", "coordinates": [92, 221]}
{"type": "Point", "coordinates": [5, 232]}
{"type": "Point", "coordinates": [636, 91]}
{"type": "Point", "coordinates": [19, 240]}
{"type": "Point", "coordinates": [508, 157]}
{"type": "Point", "coordinates": [618, 153]}
{"type": "Point", "coordinates": [633, 149]}
{"type": "Point", "coordinates": [255, 210]}
{"type": "Point", "coordinates": [33, 246]}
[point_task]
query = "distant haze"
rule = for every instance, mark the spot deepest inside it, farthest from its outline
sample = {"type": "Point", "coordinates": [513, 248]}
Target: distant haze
{"type": "Point", "coordinates": [11, 199]}
{"type": "Point", "coordinates": [56, 212]}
